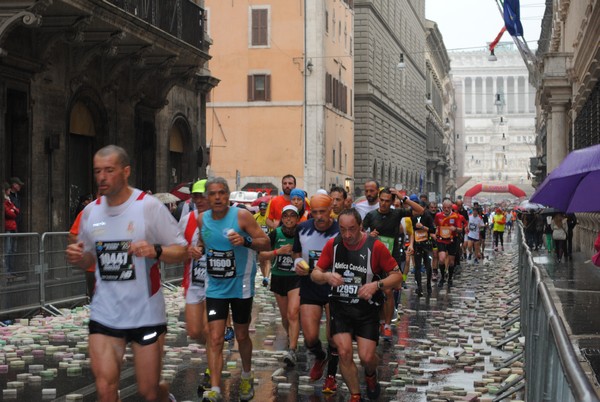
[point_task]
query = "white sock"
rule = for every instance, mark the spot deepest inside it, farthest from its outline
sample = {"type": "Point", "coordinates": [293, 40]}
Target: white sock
{"type": "Point", "coordinates": [246, 375]}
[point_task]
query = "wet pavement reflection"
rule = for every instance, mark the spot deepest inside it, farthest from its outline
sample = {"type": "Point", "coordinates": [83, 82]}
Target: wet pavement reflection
{"type": "Point", "coordinates": [443, 345]}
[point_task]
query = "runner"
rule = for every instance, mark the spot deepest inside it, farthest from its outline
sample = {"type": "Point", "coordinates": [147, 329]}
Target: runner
{"type": "Point", "coordinates": [194, 275]}
{"type": "Point", "coordinates": [310, 239]}
{"type": "Point", "coordinates": [261, 218]}
{"type": "Point", "coordinates": [424, 229]}
{"type": "Point", "coordinates": [356, 283]}
{"type": "Point", "coordinates": [447, 224]}
{"type": "Point", "coordinates": [231, 237]}
{"type": "Point", "coordinates": [371, 201]}
{"type": "Point", "coordinates": [285, 284]}
{"type": "Point", "coordinates": [384, 223]}
{"type": "Point", "coordinates": [339, 196]}
{"type": "Point", "coordinates": [475, 225]}
{"type": "Point", "coordinates": [288, 183]}
{"type": "Point", "coordinates": [126, 233]}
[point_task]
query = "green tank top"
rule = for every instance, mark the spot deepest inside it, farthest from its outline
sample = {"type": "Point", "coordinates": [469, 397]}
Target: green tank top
{"type": "Point", "coordinates": [283, 264]}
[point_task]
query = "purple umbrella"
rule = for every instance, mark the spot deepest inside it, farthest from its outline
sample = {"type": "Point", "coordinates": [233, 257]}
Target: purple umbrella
{"type": "Point", "coordinates": [573, 186]}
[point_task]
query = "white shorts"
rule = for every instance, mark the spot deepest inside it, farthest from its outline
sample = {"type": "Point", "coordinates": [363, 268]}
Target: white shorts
{"type": "Point", "coordinates": [195, 295]}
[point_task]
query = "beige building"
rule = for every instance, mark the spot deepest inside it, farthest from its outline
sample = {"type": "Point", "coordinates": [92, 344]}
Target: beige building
{"type": "Point", "coordinates": [284, 103]}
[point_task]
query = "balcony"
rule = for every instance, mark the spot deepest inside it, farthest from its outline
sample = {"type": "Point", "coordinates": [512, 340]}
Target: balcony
{"type": "Point", "coordinates": [182, 19]}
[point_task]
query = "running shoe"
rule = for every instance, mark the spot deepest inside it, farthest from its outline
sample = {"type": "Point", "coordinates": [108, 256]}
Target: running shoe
{"type": "Point", "coordinates": [387, 333]}
{"type": "Point", "coordinates": [265, 282]}
{"type": "Point", "coordinates": [449, 283]}
{"type": "Point", "coordinates": [441, 283]}
{"type": "Point", "coordinates": [329, 385]}
{"type": "Point", "coordinates": [212, 396]}
{"type": "Point", "coordinates": [290, 358]}
{"type": "Point", "coordinates": [229, 334]}
{"type": "Point", "coordinates": [373, 387]}
{"type": "Point", "coordinates": [316, 372]}
{"type": "Point", "coordinates": [356, 398]}
{"type": "Point", "coordinates": [172, 398]}
{"type": "Point", "coordinates": [204, 383]}
{"type": "Point", "coordinates": [247, 389]}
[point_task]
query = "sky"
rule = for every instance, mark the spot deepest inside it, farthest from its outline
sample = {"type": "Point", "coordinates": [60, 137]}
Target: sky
{"type": "Point", "coordinates": [474, 23]}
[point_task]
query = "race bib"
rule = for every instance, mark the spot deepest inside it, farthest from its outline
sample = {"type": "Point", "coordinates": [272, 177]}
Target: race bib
{"type": "Point", "coordinates": [285, 262]}
{"type": "Point", "coordinates": [199, 272]}
{"type": "Point", "coordinates": [220, 264]}
{"type": "Point", "coordinates": [421, 235]}
{"type": "Point", "coordinates": [313, 257]}
{"type": "Point", "coordinates": [114, 261]}
{"type": "Point", "coordinates": [265, 229]}
{"type": "Point", "coordinates": [472, 227]}
{"type": "Point", "coordinates": [445, 232]}
{"type": "Point", "coordinates": [388, 241]}
{"type": "Point", "coordinates": [348, 292]}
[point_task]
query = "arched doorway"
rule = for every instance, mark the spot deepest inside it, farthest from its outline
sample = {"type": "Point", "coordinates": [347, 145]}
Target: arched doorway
{"type": "Point", "coordinates": [179, 159]}
{"type": "Point", "coordinates": [83, 140]}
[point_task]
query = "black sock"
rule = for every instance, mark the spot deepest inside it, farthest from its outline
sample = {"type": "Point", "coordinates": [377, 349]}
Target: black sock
{"type": "Point", "coordinates": [450, 272]}
{"type": "Point", "coordinates": [317, 350]}
{"type": "Point", "coordinates": [334, 358]}
{"type": "Point", "coordinates": [442, 269]}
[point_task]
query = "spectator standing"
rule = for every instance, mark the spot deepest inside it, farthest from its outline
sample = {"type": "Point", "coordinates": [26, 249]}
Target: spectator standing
{"type": "Point", "coordinates": [11, 213]}
{"type": "Point", "coordinates": [559, 235]}
{"type": "Point", "coordinates": [571, 223]}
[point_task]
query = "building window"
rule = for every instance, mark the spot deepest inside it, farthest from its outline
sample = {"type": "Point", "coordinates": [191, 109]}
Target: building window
{"type": "Point", "coordinates": [340, 154]}
{"type": "Point", "coordinates": [326, 21]}
{"type": "Point", "coordinates": [259, 27]}
{"type": "Point", "coordinates": [333, 159]}
{"type": "Point", "coordinates": [259, 87]}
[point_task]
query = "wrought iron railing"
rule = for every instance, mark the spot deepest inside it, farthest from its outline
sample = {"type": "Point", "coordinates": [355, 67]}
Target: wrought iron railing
{"type": "Point", "coordinates": [587, 123]}
{"type": "Point", "coordinates": [183, 19]}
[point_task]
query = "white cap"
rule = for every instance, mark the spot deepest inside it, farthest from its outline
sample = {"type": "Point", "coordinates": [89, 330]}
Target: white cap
{"type": "Point", "coordinates": [290, 208]}
{"type": "Point", "coordinates": [322, 191]}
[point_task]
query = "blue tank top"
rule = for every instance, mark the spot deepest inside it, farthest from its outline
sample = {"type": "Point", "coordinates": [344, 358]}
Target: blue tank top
{"type": "Point", "coordinates": [231, 270]}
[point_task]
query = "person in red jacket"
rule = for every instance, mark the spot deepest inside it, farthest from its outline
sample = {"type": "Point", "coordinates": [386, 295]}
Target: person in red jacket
{"type": "Point", "coordinates": [448, 226]}
{"type": "Point", "coordinates": [11, 212]}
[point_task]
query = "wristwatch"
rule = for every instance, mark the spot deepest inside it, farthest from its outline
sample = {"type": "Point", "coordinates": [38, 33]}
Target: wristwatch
{"type": "Point", "coordinates": [380, 285]}
{"type": "Point", "coordinates": [158, 250]}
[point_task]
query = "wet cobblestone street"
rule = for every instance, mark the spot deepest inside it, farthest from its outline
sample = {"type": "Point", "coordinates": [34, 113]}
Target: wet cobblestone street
{"type": "Point", "coordinates": [443, 346]}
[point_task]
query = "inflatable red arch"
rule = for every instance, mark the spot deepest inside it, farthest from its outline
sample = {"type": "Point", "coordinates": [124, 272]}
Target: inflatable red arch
{"type": "Point", "coordinates": [493, 188]}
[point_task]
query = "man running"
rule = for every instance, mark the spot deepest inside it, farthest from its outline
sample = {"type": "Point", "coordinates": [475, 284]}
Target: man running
{"type": "Point", "coordinates": [231, 237]}
{"type": "Point", "coordinates": [357, 267]}
{"type": "Point", "coordinates": [288, 183]}
{"type": "Point", "coordinates": [384, 223]}
{"type": "Point", "coordinates": [447, 226]}
{"type": "Point", "coordinates": [371, 201]}
{"type": "Point", "coordinates": [126, 233]}
{"type": "Point", "coordinates": [338, 196]}
{"type": "Point", "coordinates": [194, 275]}
{"type": "Point", "coordinates": [311, 237]}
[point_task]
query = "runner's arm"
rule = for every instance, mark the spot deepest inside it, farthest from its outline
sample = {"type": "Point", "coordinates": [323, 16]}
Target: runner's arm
{"type": "Point", "coordinates": [260, 241]}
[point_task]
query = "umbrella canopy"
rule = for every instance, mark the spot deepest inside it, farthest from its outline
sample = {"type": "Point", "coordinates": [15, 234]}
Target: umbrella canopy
{"type": "Point", "coordinates": [528, 205]}
{"type": "Point", "coordinates": [182, 191]}
{"type": "Point", "coordinates": [264, 198]}
{"type": "Point", "coordinates": [166, 198]}
{"type": "Point", "coordinates": [573, 185]}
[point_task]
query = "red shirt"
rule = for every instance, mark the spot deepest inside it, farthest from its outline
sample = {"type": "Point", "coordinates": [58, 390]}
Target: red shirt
{"type": "Point", "coordinates": [381, 259]}
{"type": "Point", "coordinates": [442, 224]}
{"type": "Point", "coordinates": [276, 207]}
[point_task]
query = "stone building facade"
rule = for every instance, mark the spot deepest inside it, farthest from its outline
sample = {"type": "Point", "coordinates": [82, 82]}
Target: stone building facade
{"type": "Point", "coordinates": [390, 114]}
{"type": "Point", "coordinates": [440, 125]}
{"type": "Point", "coordinates": [496, 109]}
{"type": "Point", "coordinates": [77, 75]}
{"type": "Point", "coordinates": [568, 102]}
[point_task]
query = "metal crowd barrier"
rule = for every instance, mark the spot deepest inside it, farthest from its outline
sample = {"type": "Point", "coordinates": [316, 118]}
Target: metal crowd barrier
{"type": "Point", "coordinates": [552, 370]}
{"type": "Point", "coordinates": [41, 278]}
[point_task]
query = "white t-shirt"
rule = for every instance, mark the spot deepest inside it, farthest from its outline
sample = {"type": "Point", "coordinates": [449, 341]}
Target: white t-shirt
{"type": "Point", "coordinates": [474, 224]}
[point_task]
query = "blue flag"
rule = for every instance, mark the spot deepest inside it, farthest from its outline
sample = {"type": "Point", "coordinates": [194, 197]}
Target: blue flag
{"type": "Point", "coordinates": [512, 17]}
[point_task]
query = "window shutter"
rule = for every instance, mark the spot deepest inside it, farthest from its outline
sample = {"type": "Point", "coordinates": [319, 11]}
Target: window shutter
{"type": "Point", "coordinates": [255, 27]}
{"type": "Point", "coordinates": [250, 88]}
{"type": "Point", "coordinates": [263, 27]}
{"type": "Point", "coordinates": [327, 88]}
{"type": "Point", "coordinates": [268, 87]}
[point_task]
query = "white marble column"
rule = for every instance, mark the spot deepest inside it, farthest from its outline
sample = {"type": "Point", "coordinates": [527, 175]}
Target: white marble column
{"type": "Point", "coordinates": [495, 90]}
{"type": "Point", "coordinates": [505, 82]}
{"type": "Point", "coordinates": [516, 93]}
{"type": "Point", "coordinates": [473, 94]}
{"type": "Point", "coordinates": [559, 134]}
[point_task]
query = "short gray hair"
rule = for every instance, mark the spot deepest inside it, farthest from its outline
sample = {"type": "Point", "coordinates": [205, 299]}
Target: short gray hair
{"type": "Point", "coordinates": [122, 156]}
{"type": "Point", "coordinates": [217, 180]}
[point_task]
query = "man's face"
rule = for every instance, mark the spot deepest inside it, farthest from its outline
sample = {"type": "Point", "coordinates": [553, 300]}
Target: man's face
{"type": "Point", "coordinates": [298, 202]}
{"type": "Point", "coordinates": [111, 177]}
{"type": "Point", "coordinates": [218, 197]}
{"type": "Point", "coordinates": [348, 203]}
{"type": "Point", "coordinates": [15, 187]}
{"type": "Point", "coordinates": [200, 201]}
{"type": "Point", "coordinates": [433, 207]}
{"type": "Point", "coordinates": [288, 185]}
{"type": "Point", "coordinates": [322, 217]}
{"type": "Point", "coordinates": [350, 230]}
{"type": "Point", "coordinates": [385, 203]}
{"type": "Point", "coordinates": [447, 209]}
{"type": "Point", "coordinates": [289, 219]}
{"type": "Point", "coordinates": [338, 202]}
{"type": "Point", "coordinates": [263, 211]}
{"type": "Point", "coordinates": [371, 191]}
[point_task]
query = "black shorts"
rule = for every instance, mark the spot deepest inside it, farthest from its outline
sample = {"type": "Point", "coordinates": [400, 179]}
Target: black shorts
{"type": "Point", "coordinates": [447, 248]}
{"type": "Point", "coordinates": [482, 234]}
{"type": "Point", "coordinates": [313, 292]}
{"type": "Point", "coordinates": [241, 309]}
{"type": "Point", "coordinates": [142, 335]}
{"type": "Point", "coordinates": [282, 284]}
{"type": "Point", "coordinates": [362, 321]}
